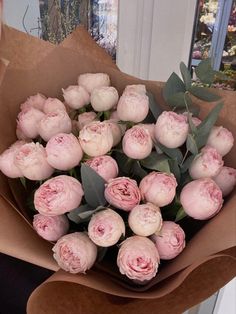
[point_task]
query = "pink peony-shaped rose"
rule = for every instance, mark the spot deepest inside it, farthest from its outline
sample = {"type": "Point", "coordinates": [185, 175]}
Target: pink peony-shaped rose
{"type": "Point", "coordinates": [207, 164]}
{"type": "Point", "coordinates": [20, 134]}
{"type": "Point", "coordinates": [36, 101]}
{"type": "Point", "coordinates": [28, 121]}
{"type": "Point", "coordinates": [138, 259]}
{"type": "Point", "coordinates": [226, 180]}
{"type": "Point", "coordinates": [133, 107]}
{"type": "Point", "coordinates": [170, 241]}
{"type": "Point", "coordinates": [114, 116]}
{"type": "Point", "coordinates": [117, 131]}
{"type": "Point", "coordinates": [76, 96]}
{"type": "Point", "coordinates": [51, 228]}
{"type": "Point", "coordinates": [85, 118]}
{"type": "Point", "coordinates": [54, 123]}
{"type": "Point", "coordinates": [64, 151]}
{"type": "Point", "coordinates": [96, 138]}
{"type": "Point", "coordinates": [52, 105]}
{"type": "Point", "coordinates": [75, 252]}
{"type": "Point", "coordinates": [151, 129]}
{"type": "Point", "coordinates": [137, 142]}
{"type": "Point", "coordinates": [171, 129]}
{"type": "Point", "coordinates": [106, 227]}
{"type": "Point", "coordinates": [145, 219]}
{"type": "Point", "coordinates": [138, 88]}
{"type": "Point", "coordinates": [58, 196]}
{"type": "Point", "coordinates": [104, 98]}
{"type": "Point", "coordinates": [123, 193]}
{"type": "Point", "coordinates": [105, 166]}
{"type": "Point", "coordinates": [221, 139]}
{"type": "Point", "coordinates": [7, 160]}
{"type": "Point", "coordinates": [201, 199]}
{"type": "Point", "coordinates": [31, 159]}
{"type": "Point", "coordinates": [158, 188]}
{"type": "Point", "coordinates": [90, 81]}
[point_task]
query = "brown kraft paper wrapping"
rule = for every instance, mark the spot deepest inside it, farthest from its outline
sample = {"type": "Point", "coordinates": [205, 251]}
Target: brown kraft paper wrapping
{"type": "Point", "coordinates": [208, 261]}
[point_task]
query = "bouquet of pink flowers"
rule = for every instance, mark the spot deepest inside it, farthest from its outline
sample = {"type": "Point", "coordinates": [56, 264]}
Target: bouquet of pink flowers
{"type": "Point", "coordinates": [109, 175]}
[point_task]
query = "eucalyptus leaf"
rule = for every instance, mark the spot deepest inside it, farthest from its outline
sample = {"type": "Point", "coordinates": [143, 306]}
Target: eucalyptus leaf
{"type": "Point", "coordinates": [138, 170]}
{"type": "Point", "coordinates": [174, 168]}
{"type": "Point", "coordinates": [23, 181]}
{"type": "Point", "coordinates": [93, 185]}
{"type": "Point", "coordinates": [174, 153]}
{"type": "Point", "coordinates": [191, 144]}
{"type": "Point", "coordinates": [153, 106]}
{"type": "Point", "coordinates": [186, 75]}
{"type": "Point", "coordinates": [192, 126]}
{"type": "Point", "coordinates": [185, 166]}
{"type": "Point", "coordinates": [156, 162]}
{"type": "Point", "coordinates": [125, 163]}
{"type": "Point", "coordinates": [176, 100]}
{"type": "Point", "coordinates": [205, 72]}
{"type": "Point", "coordinates": [180, 214]}
{"type": "Point", "coordinates": [203, 93]}
{"type": "Point", "coordinates": [173, 86]}
{"type": "Point", "coordinates": [73, 215]}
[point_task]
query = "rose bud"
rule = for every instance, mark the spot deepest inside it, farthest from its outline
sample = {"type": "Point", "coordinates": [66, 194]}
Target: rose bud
{"type": "Point", "coordinates": [64, 151]}
{"type": "Point", "coordinates": [123, 193]}
{"type": "Point", "coordinates": [90, 81]}
{"type": "Point", "coordinates": [106, 227]}
{"type": "Point", "coordinates": [171, 129]}
{"type": "Point", "coordinates": [137, 142]}
{"type": "Point", "coordinates": [36, 101]}
{"type": "Point", "coordinates": [104, 98]}
{"type": "Point", "coordinates": [226, 180]}
{"type": "Point", "coordinates": [133, 107]}
{"type": "Point", "coordinates": [85, 118]}
{"type": "Point", "coordinates": [31, 159]}
{"type": "Point", "coordinates": [7, 160]}
{"type": "Point", "coordinates": [138, 258]}
{"type": "Point", "coordinates": [207, 164]}
{"type": "Point", "coordinates": [75, 252]}
{"type": "Point", "coordinates": [58, 196]}
{"type": "Point", "coordinates": [96, 138]}
{"type": "Point", "coordinates": [28, 122]}
{"type": "Point", "coordinates": [20, 134]}
{"type": "Point", "coordinates": [76, 96]}
{"type": "Point", "coordinates": [145, 219]}
{"type": "Point", "coordinates": [201, 199]}
{"type": "Point", "coordinates": [151, 129]}
{"type": "Point", "coordinates": [114, 116]}
{"type": "Point", "coordinates": [51, 228]}
{"type": "Point", "coordinates": [138, 88]}
{"type": "Point", "coordinates": [116, 130]}
{"type": "Point", "coordinates": [52, 105]}
{"type": "Point", "coordinates": [170, 241]}
{"type": "Point", "coordinates": [158, 188]}
{"type": "Point", "coordinates": [54, 123]}
{"type": "Point", "coordinates": [221, 139]}
{"type": "Point", "coordinates": [105, 166]}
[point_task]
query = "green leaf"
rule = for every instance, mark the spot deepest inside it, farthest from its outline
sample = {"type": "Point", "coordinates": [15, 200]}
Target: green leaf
{"type": "Point", "coordinates": [191, 144]}
{"type": "Point", "coordinates": [174, 153]}
{"type": "Point", "coordinates": [192, 126]}
{"type": "Point", "coordinates": [186, 75]}
{"type": "Point", "coordinates": [173, 86]}
{"type": "Point", "coordinates": [180, 214]}
{"type": "Point", "coordinates": [94, 186]}
{"type": "Point", "coordinates": [206, 125]}
{"type": "Point", "coordinates": [74, 215]}
{"type": "Point", "coordinates": [174, 168]}
{"type": "Point", "coordinates": [125, 163]}
{"type": "Point", "coordinates": [138, 170]}
{"type": "Point", "coordinates": [203, 93]}
{"type": "Point", "coordinates": [177, 100]}
{"type": "Point", "coordinates": [205, 72]}
{"type": "Point", "coordinates": [153, 106]}
{"type": "Point", "coordinates": [156, 162]}
{"type": "Point", "coordinates": [187, 163]}
{"type": "Point", "coordinates": [23, 181]}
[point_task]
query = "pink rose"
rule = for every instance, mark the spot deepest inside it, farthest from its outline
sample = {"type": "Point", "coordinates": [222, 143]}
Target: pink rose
{"type": "Point", "coordinates": [158, 188]}
{"type": "Point", "coordinates": [76, 96]}
{"type": "Point", "coordinates": [7, 160]}
{"type": "Point", "coordinates": [50, 228]}
{"type": "Point", "coordinates": [138, 258]}
{"type": "Point", "coordinates": [151, 129]}
{"type": "Point", "coordinates": [207, 164]}
{"type": "Point", "coordinates": [133, 107]}
{"type": "Point", "coordinates": [31, 159]}
{"type": "Point", "coordinates": [138, 88]}
{"type": "Point", "coordinates": [104, 98]}
{"type": "Point", "coordinates": [20, 134]}
{"type": "Point", "coordinates": [85, 118]}
{"type": "Point", "coordinates": [64, 151]}
{"type": "Point", "coordinates": [114, 116]}
{"type": "Point", "coordinates": [105, 166]}
{"type": "Point", "coordinates": [123, 193]}
{"type": "Point", "coordinates": [37, 101]}
{"type": "Point", "coordinates": [90, 81]}
{"type": "Point", "coordinates": [28, 121]}
{"type": "Point", "coordinates": [226, 180]}
{"type": "Point", "coordinates": [106, 227]}
{"type": "Point", "coordinates": [54, 123]}
{"type": "Point", "coordinates": [58, 196]}
{"type": "Point", "coordinates": [170, 241]}
{"type": "Point", "coordinates": [221, 139]}
{"type": "Point", "coordinates": [96, 139]}
{"type": "Point", "coordinates": [196, 121]}
{"type": "Point", "coordinates": [116, 130]}
{"type": "Point", "coordinates": [75, 252]}
{"type": "Point", "coordinates": [145, 219]}
{"type": "Point", "coordinates": [201, 199]}
{"type": "Point", "coordinates": [52, 105]}
{"type": "Point", "coordinates": [137, 142]}
{"type": "Point", "coordinates": [171, 129]}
